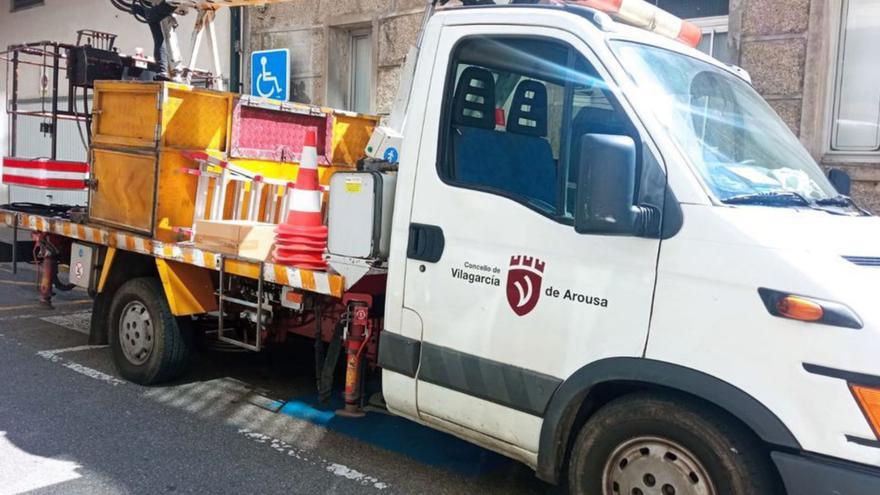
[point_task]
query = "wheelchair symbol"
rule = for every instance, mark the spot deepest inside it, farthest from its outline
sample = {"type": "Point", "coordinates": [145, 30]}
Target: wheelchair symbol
{"type": "Point", "coordinates": [266, 77]}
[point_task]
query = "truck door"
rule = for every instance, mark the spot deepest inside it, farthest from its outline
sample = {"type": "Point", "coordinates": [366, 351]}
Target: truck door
{"type": "Point", "coordinates": [511, 300]}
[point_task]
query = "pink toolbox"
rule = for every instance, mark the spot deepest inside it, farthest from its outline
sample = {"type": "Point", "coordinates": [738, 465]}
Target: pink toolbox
{"type": "Point", "coordinates": [274, 131]}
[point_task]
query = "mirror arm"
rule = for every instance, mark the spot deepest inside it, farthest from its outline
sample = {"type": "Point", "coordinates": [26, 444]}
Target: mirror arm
{"type": "Point", "coordinates": [646, 221]}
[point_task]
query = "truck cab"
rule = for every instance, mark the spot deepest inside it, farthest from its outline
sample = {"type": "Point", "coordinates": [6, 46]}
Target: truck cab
{"type": "Point", "coordinates": [612, 261]}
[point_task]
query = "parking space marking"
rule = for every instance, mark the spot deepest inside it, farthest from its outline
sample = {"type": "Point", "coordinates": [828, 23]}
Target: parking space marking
{"type": "Point", "coordinates": [18, 317]}
{"type": "Point", "coordinates": [32, 315]}
{"type": "Point", "coordinates": [37, 306]}
{"type": "Point", "coordinates": [302, 455]}
{"type": "Point", "coordinates": [93, 373]}
{"type": "Point", "coordinates": [78, 322]}
{"type": "Point", "coordinates": [54, 352]}
{"type": "Point", "coordinates": [395, 434]}
{"type": "Point", "coordinates": [19, 282]}
{"type": "Point", "coordinates": [52, 355]}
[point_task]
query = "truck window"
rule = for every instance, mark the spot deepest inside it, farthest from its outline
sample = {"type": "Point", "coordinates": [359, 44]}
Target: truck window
{"type": "Point", "coordinates": [515, 109]}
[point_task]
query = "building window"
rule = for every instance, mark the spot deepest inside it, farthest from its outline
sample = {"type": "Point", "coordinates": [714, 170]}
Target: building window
{"type": "Point", "coordinates": [23, 4]}
{"type": "Point", "coordinates": [350, 76]}
{"type": "Point", "coordinates": [361, 84]}
{"type": "Point", "coordinates": [855, 125]}
{"type": "Point", "coordinates": [715, 38]}
{"type": "Point", "coordinates": [711, 17]}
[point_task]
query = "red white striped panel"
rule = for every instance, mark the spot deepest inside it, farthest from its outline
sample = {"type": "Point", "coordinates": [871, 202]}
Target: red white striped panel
{"type": "Point", "coordinates": [45, 174]}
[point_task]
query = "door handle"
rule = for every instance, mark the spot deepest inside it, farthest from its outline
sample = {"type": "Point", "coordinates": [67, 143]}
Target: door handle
{"type": "Point", "coordinates": [426, 242]}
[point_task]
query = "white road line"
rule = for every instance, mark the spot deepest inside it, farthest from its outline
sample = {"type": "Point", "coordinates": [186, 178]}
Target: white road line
{"type": "Point", "coordinates": [18, 317]}
{"type": "Point", "coordinates": [301, 454]}
{"type": "Point", "coordinates": [93, 373]}
{"type": "Point", "coordinates": [78, 322]}
{"type": "Point", "coordinates": [347, 472]}
{"type": "Point", "coordinates": [54, 352]}
{"type": "Point", "coordinates": [52, 355]}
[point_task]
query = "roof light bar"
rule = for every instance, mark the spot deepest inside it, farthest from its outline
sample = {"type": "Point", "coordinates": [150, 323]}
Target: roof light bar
{"type": "Point", "coordinates": [642, 14]}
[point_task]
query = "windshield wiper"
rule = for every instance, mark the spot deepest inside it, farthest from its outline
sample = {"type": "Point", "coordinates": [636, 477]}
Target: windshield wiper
{"type": "Point", "coordinates": [842, 201]}
{"type": "Point", "coordinates": [775, 198]}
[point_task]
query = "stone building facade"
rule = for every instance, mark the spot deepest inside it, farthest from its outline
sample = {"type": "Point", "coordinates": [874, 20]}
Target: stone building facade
{"type": "Point", "coordinates": [811, 59]}
{"type": "Point", "coordinates": [339, 47]}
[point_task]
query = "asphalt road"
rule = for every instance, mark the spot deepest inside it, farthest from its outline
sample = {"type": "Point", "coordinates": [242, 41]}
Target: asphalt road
{"type": "Point", "coordinates": [237, 423]}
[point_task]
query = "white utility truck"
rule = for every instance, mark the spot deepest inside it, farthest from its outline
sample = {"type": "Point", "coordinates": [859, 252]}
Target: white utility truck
{"type": "Point", "coordinates": [608, 258]}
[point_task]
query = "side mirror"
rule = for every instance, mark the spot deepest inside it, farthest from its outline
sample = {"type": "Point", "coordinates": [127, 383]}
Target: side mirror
{"type": "Point", "coordinates": [606, 202]}
{"type": "Point", "coordinates": [840, 180]}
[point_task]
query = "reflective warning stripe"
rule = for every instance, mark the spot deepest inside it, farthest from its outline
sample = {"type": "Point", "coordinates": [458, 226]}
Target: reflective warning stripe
{"type": "Point", "coordinates": [320, 282]}
{"type": "Point", "coordinates": [45, 174]}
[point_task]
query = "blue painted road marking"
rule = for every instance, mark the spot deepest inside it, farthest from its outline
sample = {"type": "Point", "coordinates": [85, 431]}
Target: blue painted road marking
{"type": "Point", "coordinates": [398, 435]}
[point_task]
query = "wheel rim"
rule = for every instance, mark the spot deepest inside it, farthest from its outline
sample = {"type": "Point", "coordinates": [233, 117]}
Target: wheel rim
{"type": "Point", "coordinates": [136, 333]}
{"type": "Point", "coordinates": [654, 466]}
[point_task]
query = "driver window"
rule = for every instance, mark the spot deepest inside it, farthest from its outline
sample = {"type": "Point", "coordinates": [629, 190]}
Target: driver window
{"type": "Point", "coordinates": [515, 110]}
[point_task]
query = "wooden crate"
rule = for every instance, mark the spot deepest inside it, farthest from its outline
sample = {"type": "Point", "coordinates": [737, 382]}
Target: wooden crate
{"type": "Point", "coordinates": [153, 115]}
{"type": "Point", "coordinates": [240, 238]}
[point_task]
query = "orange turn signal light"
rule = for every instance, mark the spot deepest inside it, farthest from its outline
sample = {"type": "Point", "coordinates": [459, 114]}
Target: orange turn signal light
{"type": "Point", "coordinates": [799, 308]}
{"type": "Point", "coordinates": [869, 401]}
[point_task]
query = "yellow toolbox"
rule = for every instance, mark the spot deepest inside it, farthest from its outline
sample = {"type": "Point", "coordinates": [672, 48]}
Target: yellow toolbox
{"type": "Point", "coordinates": [153, 115]}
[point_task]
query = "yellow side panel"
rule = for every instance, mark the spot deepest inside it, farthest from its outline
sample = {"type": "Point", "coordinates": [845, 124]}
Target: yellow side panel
{"type": "Point", "coordinates": [189, 289]}
{"type": "Point", "coordinates": [176, 195]}
{"type": "Point", "coordinates": [195, 118]}
{"type": "Point", "coordinates": [283, 171]}
{"type": "Point", "coordinates": [350, 137]}
{"type": "Point", "coordinates": [108, 265]}
{"type": "Point", "coordinates": [125, 187]}
{"type": "Point", "coordinates": [126, 114]}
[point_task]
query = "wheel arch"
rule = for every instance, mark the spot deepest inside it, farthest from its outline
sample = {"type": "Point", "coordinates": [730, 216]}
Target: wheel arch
{"type": "Point", "coordinates": [572, 400]}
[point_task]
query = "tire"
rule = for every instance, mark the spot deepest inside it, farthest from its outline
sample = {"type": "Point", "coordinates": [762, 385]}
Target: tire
{"type": "Point", "coordinates": [644, 444]}
{"type": "Point", "coordinates": [149, 344]}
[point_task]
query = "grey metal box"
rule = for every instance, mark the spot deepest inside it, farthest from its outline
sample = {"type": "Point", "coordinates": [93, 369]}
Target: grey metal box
{"type": "Point", "coordinates": [83, 265]}
{"type": "Point", "coordinates": [361, 204]}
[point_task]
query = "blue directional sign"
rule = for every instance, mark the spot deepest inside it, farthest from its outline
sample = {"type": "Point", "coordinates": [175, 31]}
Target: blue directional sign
{"type": "Point", "coordinates": [270, 74]}
{"type": "Point", "coordinates": [391, 155]}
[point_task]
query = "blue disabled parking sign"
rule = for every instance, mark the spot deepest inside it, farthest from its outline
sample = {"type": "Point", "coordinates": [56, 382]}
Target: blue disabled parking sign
{"type": "Point", "coordinates": [270, 74]}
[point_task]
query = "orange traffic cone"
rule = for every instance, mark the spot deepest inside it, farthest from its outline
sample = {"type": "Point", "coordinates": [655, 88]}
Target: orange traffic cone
{"type": "Point", "coordinates": [302, 239]}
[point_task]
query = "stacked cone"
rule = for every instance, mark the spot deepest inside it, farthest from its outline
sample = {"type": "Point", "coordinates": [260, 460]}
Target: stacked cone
{"type": "Point", "coordinates": [302, 239]}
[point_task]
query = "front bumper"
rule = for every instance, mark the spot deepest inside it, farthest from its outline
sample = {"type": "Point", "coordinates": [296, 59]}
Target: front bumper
{"type": "Point", "coordinates": [808, 475]}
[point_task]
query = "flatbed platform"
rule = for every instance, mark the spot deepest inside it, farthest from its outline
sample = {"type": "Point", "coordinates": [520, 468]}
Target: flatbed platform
{"type": "Point", "coordinates": [308, 280]}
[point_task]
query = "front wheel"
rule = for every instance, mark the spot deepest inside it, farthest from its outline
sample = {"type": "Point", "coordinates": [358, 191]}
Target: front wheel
{"type": "Point", "coordinates": [644, 444]}
{"type": "Point", "coordinates": [149, 344]}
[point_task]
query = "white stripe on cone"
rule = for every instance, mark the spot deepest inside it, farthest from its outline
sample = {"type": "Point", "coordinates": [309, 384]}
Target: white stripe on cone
{"type": "Point", "coordinates": [309, 159]}
{"type": "Point", "coordinates": [306, 201]}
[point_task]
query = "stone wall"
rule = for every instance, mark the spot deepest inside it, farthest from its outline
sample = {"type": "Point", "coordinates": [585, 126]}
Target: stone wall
{"type": "Point", "coordinates": [312, 30]}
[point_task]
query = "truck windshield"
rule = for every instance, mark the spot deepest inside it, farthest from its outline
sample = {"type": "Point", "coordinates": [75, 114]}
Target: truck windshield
{"type": "Point", "coordinates": [738, 145]}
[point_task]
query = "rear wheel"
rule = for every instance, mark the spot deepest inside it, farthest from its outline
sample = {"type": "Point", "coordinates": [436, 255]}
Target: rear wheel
{"type": "Point", "coordinates": [149, 344]}
{"type": "Point", "coordinates": [645, 444]}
